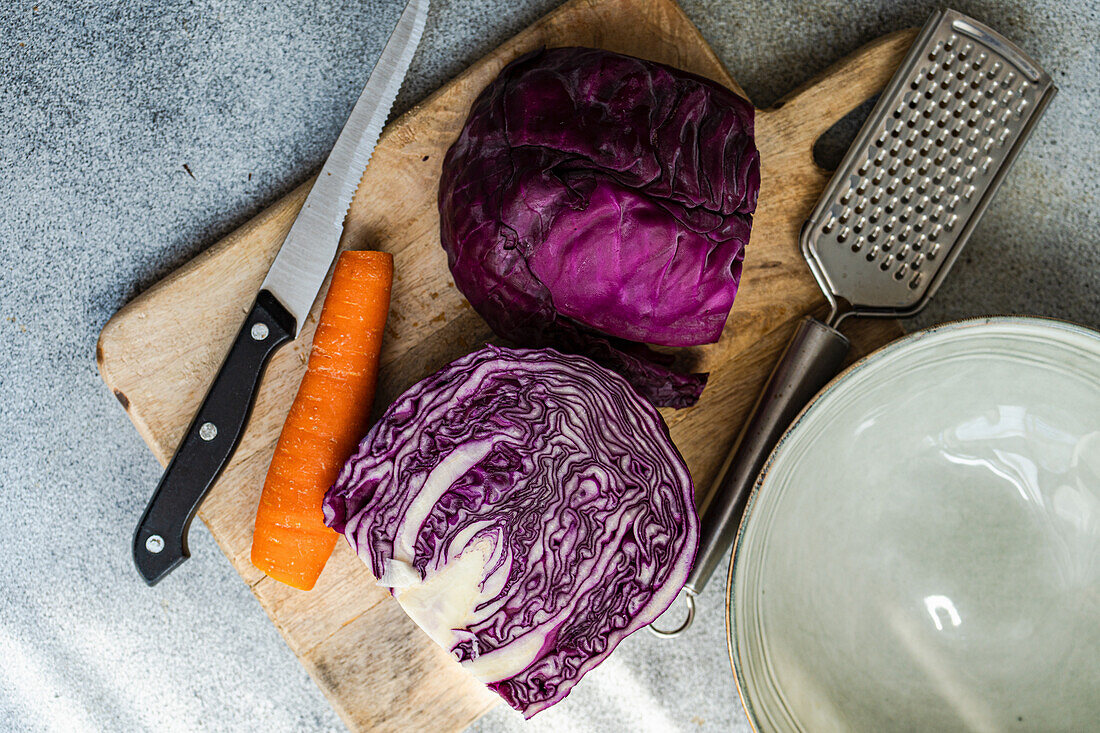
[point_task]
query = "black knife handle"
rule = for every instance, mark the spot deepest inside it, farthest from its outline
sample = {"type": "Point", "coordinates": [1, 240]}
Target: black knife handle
{"type": "Point", "coordinates": [160, 541]}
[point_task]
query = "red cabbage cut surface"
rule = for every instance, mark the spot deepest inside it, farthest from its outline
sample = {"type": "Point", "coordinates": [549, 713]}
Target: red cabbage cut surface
{"type": "Point", "coordinates": [528, 510]}
{"type": "Point", "coordinates": [593, 200]}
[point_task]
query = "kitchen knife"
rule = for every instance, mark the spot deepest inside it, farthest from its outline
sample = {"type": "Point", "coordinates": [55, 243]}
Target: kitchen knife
{"type": "Point", "coordinates": [276, 317]}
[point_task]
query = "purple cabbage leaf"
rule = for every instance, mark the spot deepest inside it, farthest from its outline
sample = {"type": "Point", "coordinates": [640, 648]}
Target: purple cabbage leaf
{"type": "Point", "coordinates": [594, 200]}
{"type": "Point", "coordinates": [527, 509]}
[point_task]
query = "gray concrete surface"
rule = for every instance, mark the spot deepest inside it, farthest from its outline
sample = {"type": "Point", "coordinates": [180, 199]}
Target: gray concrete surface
{"type": "Point", "coordinates": [105, 107]}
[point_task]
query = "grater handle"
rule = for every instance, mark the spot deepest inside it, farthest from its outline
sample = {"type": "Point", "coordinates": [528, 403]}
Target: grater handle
{"type": "Point", "coordinates": [813, 357]}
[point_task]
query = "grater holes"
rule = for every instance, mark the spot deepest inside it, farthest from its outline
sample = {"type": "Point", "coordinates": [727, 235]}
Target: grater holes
{"type": "Point", "coordinates": [899, 274]}
{"type": "Point", "coordinates": [915, 282]}
{"type": "Point", "coordinates": [916, 262]}
{"type": "Point", "coordinates": [872, 254]}
{"type": "Point", "coordinates": [886, 262]}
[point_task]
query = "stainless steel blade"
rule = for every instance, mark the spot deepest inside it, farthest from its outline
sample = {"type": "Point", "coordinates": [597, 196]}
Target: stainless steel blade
{"type": "Point", "coordinates": [300, 267]}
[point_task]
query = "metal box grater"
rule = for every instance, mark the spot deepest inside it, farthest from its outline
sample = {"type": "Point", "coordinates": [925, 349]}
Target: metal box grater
{"type": "Point", "coordinates": [923, 168]}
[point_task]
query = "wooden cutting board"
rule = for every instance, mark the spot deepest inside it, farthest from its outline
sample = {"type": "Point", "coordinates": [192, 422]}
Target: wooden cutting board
{"type": "Point", "coordinates": [159, 353]}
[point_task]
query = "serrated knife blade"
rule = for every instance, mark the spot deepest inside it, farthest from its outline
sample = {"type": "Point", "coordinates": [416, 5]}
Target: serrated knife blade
{"type": "Point", "coordinates": [299, 269]}
{"type": "Point", "coordinates": [277, 316]}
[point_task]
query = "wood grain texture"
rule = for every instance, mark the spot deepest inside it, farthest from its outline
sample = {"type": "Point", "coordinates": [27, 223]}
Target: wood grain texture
{"type": "Point", "coordinates": [159, 353]}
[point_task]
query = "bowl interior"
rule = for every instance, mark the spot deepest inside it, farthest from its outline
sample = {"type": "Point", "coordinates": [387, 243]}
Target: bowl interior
{"type": "Point", "coordinates": [923, 549]}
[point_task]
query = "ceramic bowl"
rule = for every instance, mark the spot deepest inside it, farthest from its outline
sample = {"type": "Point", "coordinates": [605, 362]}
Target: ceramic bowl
{"type": "Point", "coordinates": [922, 551]}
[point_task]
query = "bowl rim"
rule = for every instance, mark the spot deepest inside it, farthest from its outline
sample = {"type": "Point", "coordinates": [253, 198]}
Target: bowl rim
{"type": "Point", "coordinates": [905, 341]}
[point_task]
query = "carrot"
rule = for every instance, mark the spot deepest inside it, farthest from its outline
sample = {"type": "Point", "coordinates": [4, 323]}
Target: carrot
{"type": "Point", "coordinates": [330, 414]}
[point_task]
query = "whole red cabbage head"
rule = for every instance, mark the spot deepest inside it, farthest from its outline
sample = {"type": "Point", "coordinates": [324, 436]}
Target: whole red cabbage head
{"type": "Point", "coordinates": [595, 203]}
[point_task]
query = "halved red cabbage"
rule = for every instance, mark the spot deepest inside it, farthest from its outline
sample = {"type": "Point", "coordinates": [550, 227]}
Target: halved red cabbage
{"type": "Point", "coordinates": [528, 510]}
{"type": "Point", "coordinates": [595, 202]}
